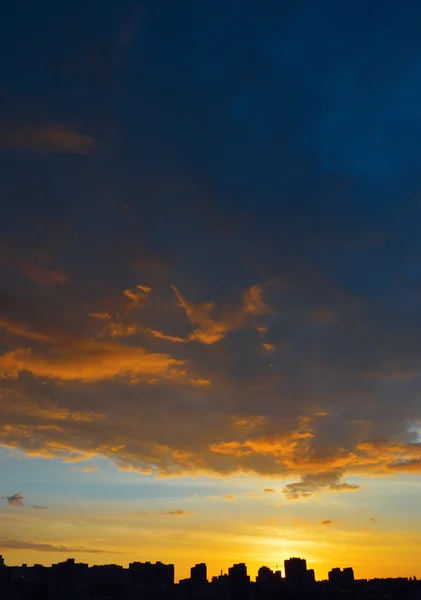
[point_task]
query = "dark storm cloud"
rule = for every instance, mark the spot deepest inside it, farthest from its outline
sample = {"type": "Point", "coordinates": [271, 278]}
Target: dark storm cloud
{"type": "Point", "coordinates": [219, 272]}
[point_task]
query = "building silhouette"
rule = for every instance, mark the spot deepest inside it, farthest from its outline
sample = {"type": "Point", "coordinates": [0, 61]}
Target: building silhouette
{"type": "Point", "coordinates": [296, 573]}
{"type": "Point", "coordinates": [198, 573]}
{"type": "Point", "coordinates": [341, 579]}
{"type": "Point", "coordinates": [238, 573]}
{"type": "Point", "coordinates": [70, 580]}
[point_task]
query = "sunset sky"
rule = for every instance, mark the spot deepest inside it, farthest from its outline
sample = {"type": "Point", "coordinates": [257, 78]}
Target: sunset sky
{"type": "Point", "coordinates": [210, 283]}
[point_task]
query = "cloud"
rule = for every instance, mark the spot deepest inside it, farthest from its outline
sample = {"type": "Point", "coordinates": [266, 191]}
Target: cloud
{"type": "Point", "coordinates": [33, 265]}
{"type": "Point", "coordinates": [166, 513]}
{"type": "Point", "coordinates": [327, 522]}
{"type": "Point", "coordinates": [312, 483]}
{"type": "Point", "coordinates": [171, 338]}
{"type": "Point", "coordinates": [93, 360]}
{"type": "Point", "coordinates": [101, 316]}
{"type": "Point", "coordinates": [15, 500]}
{"type": "Point", "coordinates": [89, 469]}
{"type": "Point", "coordinates": [46, 139]}
{"type": "Point", "coordinates": [6, 544]}
{"type": "Point", "coordinates": [230, 497]}
{"type": "Point", "coordinates": [372, 519]}
{"type": "Point", "coordinates": [39, 507]}
{"type": "Point", "coordinates": [138, 297]}
{"type": "Point", "coordinates": [215, 322]}
{"type": "Point", "coordinates": [253, 301]}
{"type": "Point", "coordinates": [121, 330]}
{"type": "Point", "coordinates": [269, 490]}
{"type": "Point", "coordinates": [63, 366]}
{"type": "Point", "coordinates": [22, 330]}
{"type": "Point", "coordinates": [268, 347]}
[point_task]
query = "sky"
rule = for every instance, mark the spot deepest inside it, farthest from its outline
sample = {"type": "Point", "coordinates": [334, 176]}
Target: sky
{"type": "Point", "coordinates": [210, 283]}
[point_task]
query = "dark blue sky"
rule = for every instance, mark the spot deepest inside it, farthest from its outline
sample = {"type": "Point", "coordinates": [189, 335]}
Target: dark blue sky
{"type": "Point", "coordinates": [242, 138]}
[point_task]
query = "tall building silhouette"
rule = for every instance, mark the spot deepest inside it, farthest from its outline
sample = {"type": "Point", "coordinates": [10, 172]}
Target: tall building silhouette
{"type": "Point", "coordinates": [238, 573]}
{"type": "Point", "coordinates": [296, 573]}
{"type": "Point", "coordinates": [198, 573]}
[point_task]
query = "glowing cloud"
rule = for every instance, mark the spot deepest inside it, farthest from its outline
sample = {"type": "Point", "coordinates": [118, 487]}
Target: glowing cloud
{"type": "Point", "coordinates": [94, 360]}
{"type": "Point", "coordinates": [216, 322]}
{"type": "Point", "coordinates": [137, 297]}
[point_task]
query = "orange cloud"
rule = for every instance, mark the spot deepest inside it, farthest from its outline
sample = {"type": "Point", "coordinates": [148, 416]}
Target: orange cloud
{"type": "Point", "coordinates": [253, 301]}
{"type": "Point", "coordinates": [138, 297]}
{"type": "Point", "coordinates": [101, 316]}
{"type": "Point", "coordinates": [216, 322]}
{"type": "Point", "coordinates": [94, 360]}
{"type": "Point", "coordinates": [22, 330]}
{"type": "Point", "coordinates": [49, 139]}
{"type": "Point", "coordinates": [261, 329]}
{"type": "Point", "coordinates": [383, 456]}
{"type": "Point", "coordinates": [121, 330]}
{"type": "Point", "coordinates": [268, 347]}
{"type": "Point", "coordinates": [162, 336]}
{"type": "Point", "coordinates": [287, 446]}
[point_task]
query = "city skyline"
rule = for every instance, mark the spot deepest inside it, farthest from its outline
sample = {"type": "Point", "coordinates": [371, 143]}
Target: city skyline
{"type": "Point", "coordinates": [78, 581]}
{"type": "Point", "coordinates": [210, 283]}
{"type": "Point", "coordinates": [293, 568]}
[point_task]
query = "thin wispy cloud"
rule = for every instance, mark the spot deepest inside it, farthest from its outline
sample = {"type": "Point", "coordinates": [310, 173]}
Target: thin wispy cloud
{"type": "Point", "coordinates": [8, 544]}
{"type": "Point", "coordinates": [46, 139]}
{"type": "Point", "coordinates": [165, 513]}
